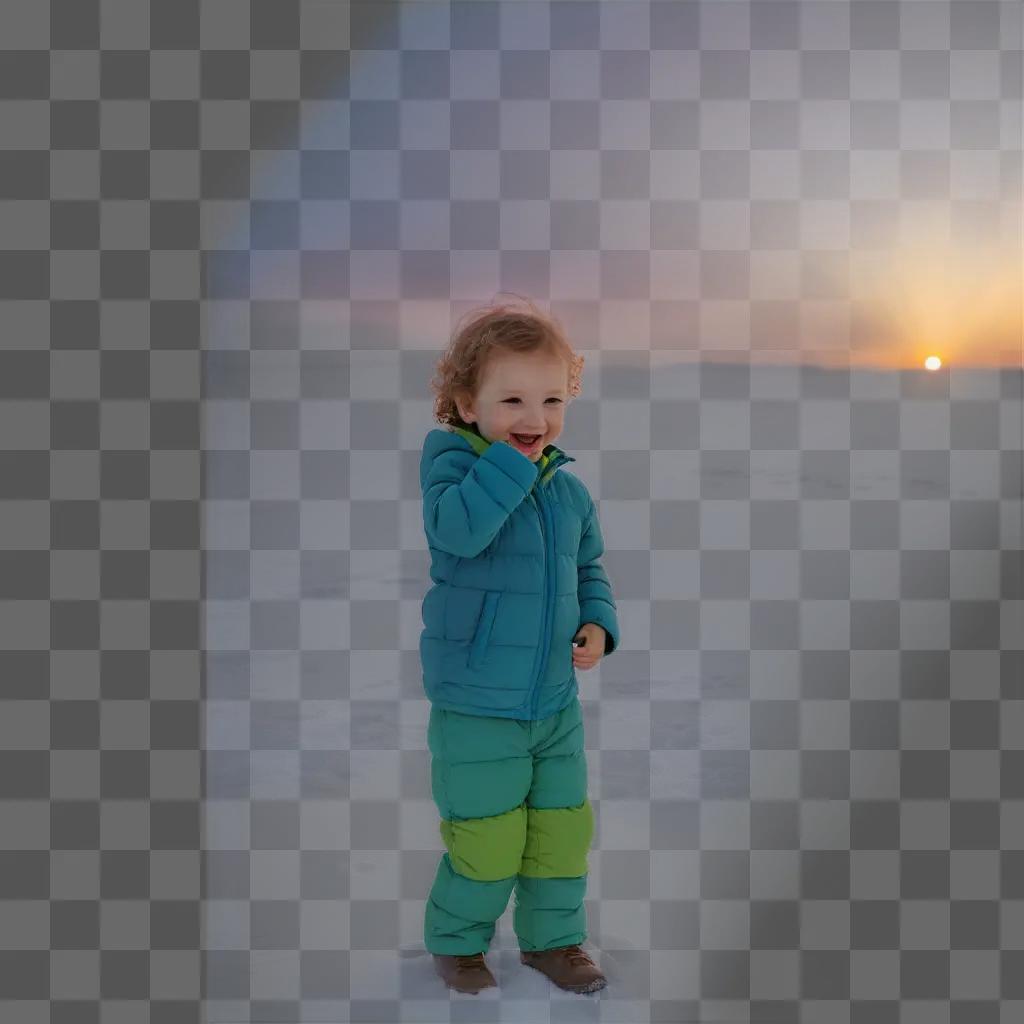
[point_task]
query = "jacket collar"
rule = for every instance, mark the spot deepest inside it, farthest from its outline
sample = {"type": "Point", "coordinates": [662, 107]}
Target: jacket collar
{"type": "Point", "coordinates": [550, 458]}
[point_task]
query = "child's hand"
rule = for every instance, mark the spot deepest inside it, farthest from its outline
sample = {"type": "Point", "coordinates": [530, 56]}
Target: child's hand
{"type": "Point", "coordinates": [592, 650]}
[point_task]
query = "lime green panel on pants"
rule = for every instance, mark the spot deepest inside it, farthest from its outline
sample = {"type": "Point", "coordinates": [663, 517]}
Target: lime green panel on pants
{"type": "Point", "coordinates": [538, 842]}
{"type": "Point", "coordinates": [557, 841]}
{"type": "Point", "coordinates": [487, 849]}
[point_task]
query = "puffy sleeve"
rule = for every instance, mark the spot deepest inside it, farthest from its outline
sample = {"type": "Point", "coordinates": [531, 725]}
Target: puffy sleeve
{"type": "Point", "coordinates": [595, 591]}
{"type": "Point", "coordinates": [468, 497]}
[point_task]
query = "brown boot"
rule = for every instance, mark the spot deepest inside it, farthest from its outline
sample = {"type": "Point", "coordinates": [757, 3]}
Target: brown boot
{"type": "Point", "coordinates": [567, 966]}
{"type": "Point", "coordinates": [464, 973]}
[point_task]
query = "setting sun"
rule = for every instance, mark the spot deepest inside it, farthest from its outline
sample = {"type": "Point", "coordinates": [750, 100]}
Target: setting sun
{"type": "Point", "coordinates": [932, 363]}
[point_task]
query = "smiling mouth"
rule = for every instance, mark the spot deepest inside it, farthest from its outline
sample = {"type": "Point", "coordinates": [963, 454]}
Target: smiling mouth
{"type": "Point", "coordinates": [524, 442]}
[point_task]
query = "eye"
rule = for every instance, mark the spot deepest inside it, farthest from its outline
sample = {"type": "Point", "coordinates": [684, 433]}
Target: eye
{"type": "Point", "coordinates": [558, 400]}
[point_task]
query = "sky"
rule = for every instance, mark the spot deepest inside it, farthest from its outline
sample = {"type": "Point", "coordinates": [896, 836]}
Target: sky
{"type": "Point", "coordinates": [814, 181]}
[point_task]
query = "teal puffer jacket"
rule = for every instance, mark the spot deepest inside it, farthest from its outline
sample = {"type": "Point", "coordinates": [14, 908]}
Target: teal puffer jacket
{"type": "Point", "coordinates": [515, 563]}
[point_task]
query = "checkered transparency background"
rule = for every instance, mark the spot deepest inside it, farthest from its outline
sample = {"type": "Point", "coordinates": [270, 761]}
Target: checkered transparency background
{"type": "Point", "coordinates": [243, 229]}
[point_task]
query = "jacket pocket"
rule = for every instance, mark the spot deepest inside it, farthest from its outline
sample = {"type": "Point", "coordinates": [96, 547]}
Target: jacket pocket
{"type": "Point", "coordinates": [484, 625]}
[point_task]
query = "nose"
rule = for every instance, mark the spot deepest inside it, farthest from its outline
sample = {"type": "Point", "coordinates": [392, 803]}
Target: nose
{"type": "Point", "coordinates": [536, 426]}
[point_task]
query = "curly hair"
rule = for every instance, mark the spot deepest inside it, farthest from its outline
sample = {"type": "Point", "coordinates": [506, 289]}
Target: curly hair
{"type": "Point", "coordinates": [486, 330]}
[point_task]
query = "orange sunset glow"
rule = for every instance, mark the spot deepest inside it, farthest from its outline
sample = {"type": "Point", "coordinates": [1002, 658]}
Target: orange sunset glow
{"type": "Point", "coordinates": [933, 303]}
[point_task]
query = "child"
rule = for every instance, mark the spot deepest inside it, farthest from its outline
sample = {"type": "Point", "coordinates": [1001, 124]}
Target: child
{"type": "Point", "coordinates": [519, 601]}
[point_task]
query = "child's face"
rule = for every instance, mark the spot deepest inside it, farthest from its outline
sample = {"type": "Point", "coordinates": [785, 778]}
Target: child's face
{"type": "Point", "coordinates": [520, 393]}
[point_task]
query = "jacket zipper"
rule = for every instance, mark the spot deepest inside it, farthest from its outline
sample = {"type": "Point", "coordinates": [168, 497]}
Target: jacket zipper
{"type": "Point", "coordinates": [541, 507]}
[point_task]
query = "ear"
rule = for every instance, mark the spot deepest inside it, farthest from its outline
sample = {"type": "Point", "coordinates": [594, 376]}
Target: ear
{"type": "Point", "coordinates": [465, 406]}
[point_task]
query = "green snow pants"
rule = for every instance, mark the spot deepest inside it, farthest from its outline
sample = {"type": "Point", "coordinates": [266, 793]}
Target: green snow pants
{"type": "Point", "coordinates": [512, 795]}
